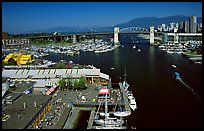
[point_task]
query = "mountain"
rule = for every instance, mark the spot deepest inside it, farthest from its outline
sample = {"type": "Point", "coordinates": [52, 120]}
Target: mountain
{"type": "Point", "coordinates": [144, 22]}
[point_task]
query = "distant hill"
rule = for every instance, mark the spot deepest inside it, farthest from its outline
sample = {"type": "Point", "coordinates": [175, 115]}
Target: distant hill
{"type": "Point", "coordinates": [144, 22]}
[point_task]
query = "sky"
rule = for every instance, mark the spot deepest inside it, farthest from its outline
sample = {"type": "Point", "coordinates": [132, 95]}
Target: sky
{"type": "Point", "coordinates": [18, 17]}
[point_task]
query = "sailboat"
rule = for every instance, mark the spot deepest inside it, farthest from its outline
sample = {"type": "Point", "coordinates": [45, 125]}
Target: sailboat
{"type": "Point", "coordinates": [121, 113]}
{"type": "Point", "coordinates": [108, 121]}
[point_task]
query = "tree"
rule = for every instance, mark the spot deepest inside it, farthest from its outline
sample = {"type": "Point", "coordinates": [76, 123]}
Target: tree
{"type": "Point", "coordinates": [75, 84]}
{"type": "Point", "coordinates": [11, 61]}
{"type": "Point", "coordinates": [62, 83]}
{"type": "Point", "coordinates": [69, 82]}
{"type": "Point", "coordinates": [82, 83]}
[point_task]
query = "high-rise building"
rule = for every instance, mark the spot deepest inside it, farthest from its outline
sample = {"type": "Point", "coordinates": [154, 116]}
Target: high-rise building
{"type": "Point", "coordinates": [186, 27]}
{"type": "Point", "coordinates": [193, 24]}
{"type": "Point", "coordinates": [181, 27]}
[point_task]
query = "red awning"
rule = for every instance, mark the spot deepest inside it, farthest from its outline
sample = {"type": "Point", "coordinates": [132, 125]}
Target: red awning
{"type": "Point", "coordinates": [51, 89]}
{"type": "Point", "coordinates": [104, 91]}
{"type": "Point", "coordinates": [48, 92]}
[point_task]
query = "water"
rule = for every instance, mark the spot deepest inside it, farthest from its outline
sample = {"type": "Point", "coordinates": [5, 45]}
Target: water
{"type": "Point", "coordinates": [83, 118]}
{"type": "Point", "coordinates": [162, 101]}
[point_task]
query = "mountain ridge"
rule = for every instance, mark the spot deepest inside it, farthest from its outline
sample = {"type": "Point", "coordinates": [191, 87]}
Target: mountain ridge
{"type": "Point", "coordinates": [144, 22]}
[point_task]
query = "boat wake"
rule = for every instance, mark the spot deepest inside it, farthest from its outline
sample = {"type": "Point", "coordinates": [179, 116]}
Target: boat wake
{"type": "Point", "coordinates": [191, 89]}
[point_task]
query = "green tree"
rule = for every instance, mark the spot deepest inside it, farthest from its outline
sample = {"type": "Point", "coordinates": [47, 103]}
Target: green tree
{"type": "Point", "coordinates": [75, 85]}
{"type": "Point", "coordinates": [62, 84]}
{"type": "Point", "coordinates": [11, 61]}
{"type": "Point", "coordinates": [82, 83]}
{"type": "Point", "coordinates": [69, 82]}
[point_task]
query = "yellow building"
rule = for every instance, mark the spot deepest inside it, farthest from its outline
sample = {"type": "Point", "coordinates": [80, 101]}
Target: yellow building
{"type": "Point", "coordinates": [21, 59]}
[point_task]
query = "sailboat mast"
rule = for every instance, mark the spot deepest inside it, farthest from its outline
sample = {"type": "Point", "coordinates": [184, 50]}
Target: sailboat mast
{"type": "Point", "coordinates": [106, 109]}
{"type": "Point", "coordinates": [125, 75]}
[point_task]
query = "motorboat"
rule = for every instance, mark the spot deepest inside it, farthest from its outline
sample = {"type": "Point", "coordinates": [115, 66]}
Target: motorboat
{"type": "Point", "coordinates": [112, 68]}
{"type": "Point", "coordinates": [134, 47]}
{"type": "Point", "coordinates": [133, 104]}
{"type": "Point", "coordinates": [131, 97]}
{"type": "Point", "coordinates": [139, 50]}
{"type": "Point", "coordinates": [173, 66]}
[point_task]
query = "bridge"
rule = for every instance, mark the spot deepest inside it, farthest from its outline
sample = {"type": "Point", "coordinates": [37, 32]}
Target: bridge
{"type": "Point", "coordinates": [133, 30]}
{"type": "Point", "coordinates": [74, 36]}
{"type": "Point", "coordinates": [151, 35]}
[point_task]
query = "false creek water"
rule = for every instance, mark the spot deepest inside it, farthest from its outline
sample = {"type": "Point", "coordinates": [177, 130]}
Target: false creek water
{"type": "Point", "coordinates": [163, 102]}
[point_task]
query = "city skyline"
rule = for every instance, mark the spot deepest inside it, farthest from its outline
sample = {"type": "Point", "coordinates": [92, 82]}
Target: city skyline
{"type": "Point", "coordinates": [27, 16]}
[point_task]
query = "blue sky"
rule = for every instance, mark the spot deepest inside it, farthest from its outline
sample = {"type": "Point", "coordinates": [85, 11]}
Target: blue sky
{"type": "Point", "coordinates": [20, 17]}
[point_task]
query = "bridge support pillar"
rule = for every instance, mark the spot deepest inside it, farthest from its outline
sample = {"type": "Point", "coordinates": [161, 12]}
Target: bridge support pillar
{"type": "Point", "coordinates": [176, 37]}
{"type": "Point", "coordinates": [74, 39]}
{"type": "Point", "coordinates": [116, 40]}
{"type": "Point", "coordinates": [151, 35]}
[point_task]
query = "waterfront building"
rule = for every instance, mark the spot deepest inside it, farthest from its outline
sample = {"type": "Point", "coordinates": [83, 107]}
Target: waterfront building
{"type": "Point", "coordinates": [193, 24]}
{"type": "Point", "coordinates": [22, 114]}
{"type": "Point", "coordinates": [91, 75]}
{"type": "Point", "coordinates": [21, 59]}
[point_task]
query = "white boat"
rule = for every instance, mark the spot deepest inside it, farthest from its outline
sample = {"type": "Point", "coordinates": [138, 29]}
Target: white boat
{"type": "Point", "coordinates": [122, 113]}
{"type": "Point", "coordinates": [134, 47]}
{"type": "Point", "coordinates": [173, 66]}
{"type": "Point", "coordinates": [131, 97]}
{"type": "Point", "coordinates": [112, 68]}
{"type": "Point", "coordinates": [109, 122]}
{"type": "Point", "coordinates": [133, 104]}
{"type": "Point", "coordinates": [139, 50]}
{"type": "Point", "coordinates": [104, 114]}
